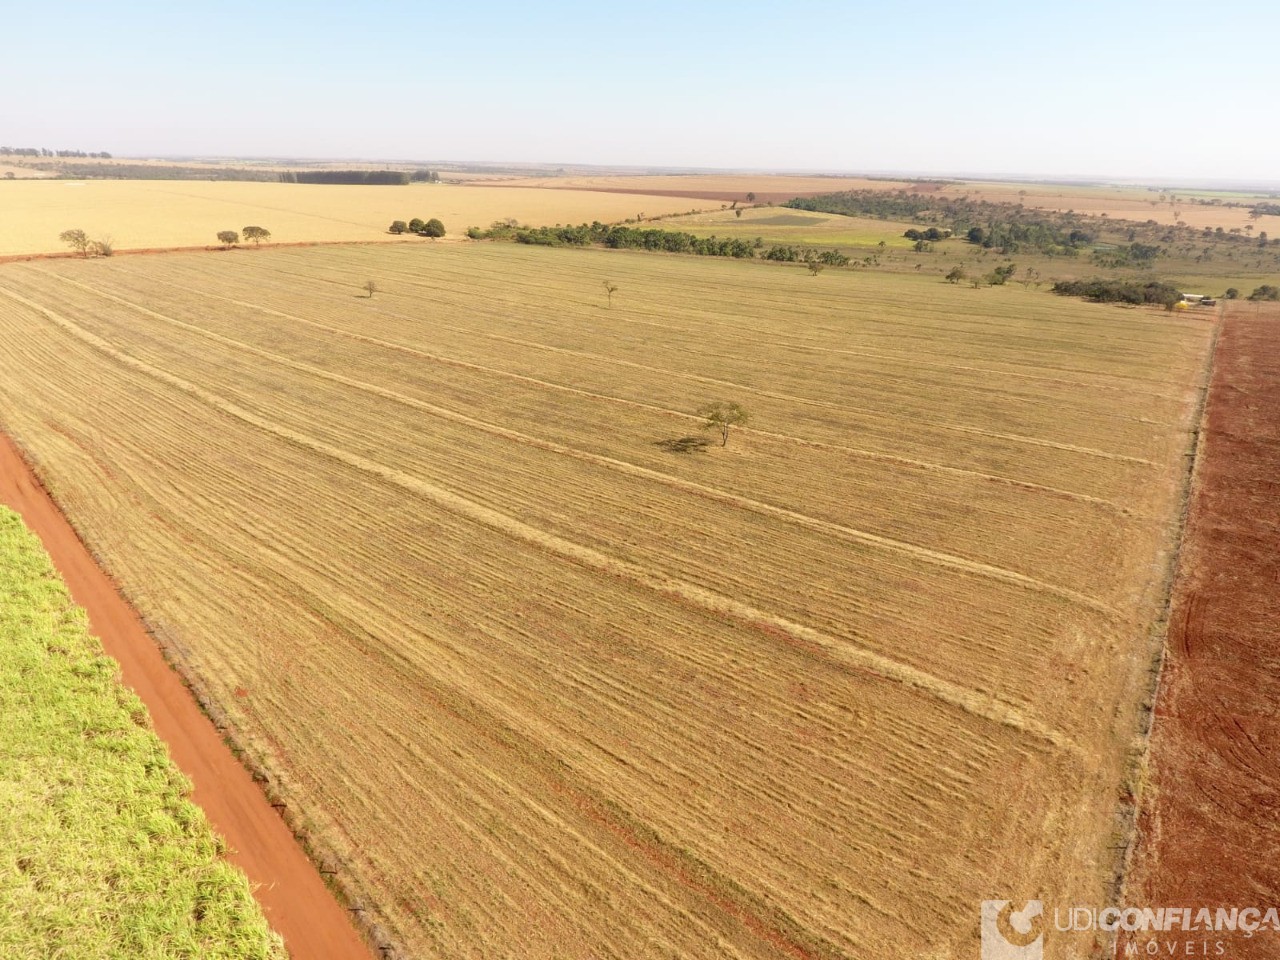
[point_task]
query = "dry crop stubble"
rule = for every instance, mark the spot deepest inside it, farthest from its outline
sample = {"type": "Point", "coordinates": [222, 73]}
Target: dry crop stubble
{"type": "Point", "coordinates": [549, 687]}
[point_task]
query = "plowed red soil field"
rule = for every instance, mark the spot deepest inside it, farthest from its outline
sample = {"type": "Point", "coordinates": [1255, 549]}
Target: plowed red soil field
{"type": "Point", "coordinates": [1210, 829]}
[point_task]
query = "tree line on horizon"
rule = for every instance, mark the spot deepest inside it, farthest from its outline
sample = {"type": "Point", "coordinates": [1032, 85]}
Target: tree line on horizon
{"type": "Point", "coordinates": [46, 152]}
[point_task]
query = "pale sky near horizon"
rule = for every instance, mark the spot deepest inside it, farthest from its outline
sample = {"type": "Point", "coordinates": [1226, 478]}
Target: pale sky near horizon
{"type": "Point", "coordinates": [1130, 88]}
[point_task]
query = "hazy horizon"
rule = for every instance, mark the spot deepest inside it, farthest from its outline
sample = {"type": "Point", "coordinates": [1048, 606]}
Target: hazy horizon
{"type": "Point", "coordinates": [1142, 92]}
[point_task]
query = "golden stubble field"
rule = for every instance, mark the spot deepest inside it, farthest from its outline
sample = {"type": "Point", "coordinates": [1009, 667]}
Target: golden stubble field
{"type": "Point", "coordinates": [547, 687]}
{"type": "Point", "coordinates": [143, 214]}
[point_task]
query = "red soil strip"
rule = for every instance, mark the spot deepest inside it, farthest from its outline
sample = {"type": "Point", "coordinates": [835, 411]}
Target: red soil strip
{"type": "Point", "coordinates": [297, 903]}
{"type": "Point", "coordinates": [1209, 831]}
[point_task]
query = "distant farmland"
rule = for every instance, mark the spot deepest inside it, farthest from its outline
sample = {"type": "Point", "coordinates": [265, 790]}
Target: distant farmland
{"type": "Point", "coordinates": [161, 213]}
{"type": "Point", "coordinates": [544, 685]}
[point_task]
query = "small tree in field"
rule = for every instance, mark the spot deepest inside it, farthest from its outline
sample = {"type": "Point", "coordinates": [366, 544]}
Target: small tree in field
{"type": "Point", "coordinates": [78, 240]}
{"type": "Point", "coordinates": [610, 288]}
{"type": "Point", "coordinates": [815, 268]}
{"type": "Point", "coordinates": [433, 228]}
{"type": "Point", "coordinates": [228, 238]}
{"type": "Point", "coordinates": [398, 226]}
{"type": "Point", "coordinates": [721, 415]}
{"type": "Point", "coordinates": [751, 198]}
{"type": "Point", "coordinates": [956, 275]}
{"type": "Point", "coordinates": [256, 234]}
{"type": "Point", "coordinates": [370, 288]}
{"type": "Point", "coordinates": [416, 225]}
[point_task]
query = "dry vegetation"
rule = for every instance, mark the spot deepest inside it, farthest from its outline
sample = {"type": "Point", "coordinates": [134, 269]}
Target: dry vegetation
{"type": "Point", "coordinates": [551, 688]}
{"type": "Point", "coordinates": [161, 213]}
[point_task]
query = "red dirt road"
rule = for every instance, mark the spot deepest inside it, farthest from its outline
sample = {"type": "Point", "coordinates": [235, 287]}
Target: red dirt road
{"type": "Point", "coordinates": [297, 903]}
{"type": "Point", "coordinates": [1209, 833]}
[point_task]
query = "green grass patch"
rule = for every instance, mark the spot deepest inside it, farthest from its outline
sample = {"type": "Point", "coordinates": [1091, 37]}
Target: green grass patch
{"type": "Point", "coordinates": [101, 853]}
{"type": "Point", "coordinates": [799, 227]}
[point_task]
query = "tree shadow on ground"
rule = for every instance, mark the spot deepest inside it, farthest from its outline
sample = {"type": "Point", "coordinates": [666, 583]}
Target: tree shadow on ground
{"type": "Point", "coordinates": [683, 445]}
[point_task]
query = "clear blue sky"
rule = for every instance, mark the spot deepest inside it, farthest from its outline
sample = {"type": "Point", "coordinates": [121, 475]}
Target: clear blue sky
{"type": "Point", "coordinates": [1042, 87]}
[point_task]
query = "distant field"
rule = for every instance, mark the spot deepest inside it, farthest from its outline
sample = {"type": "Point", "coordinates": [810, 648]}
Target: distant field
{"type": "Point", "coordinates": [714, 186]}
{"type": "Point", "coordinates": [1116, 202]}
{"type": "Point", "coordinates": [797, 227]}
{"type": "Point", "coordinates": [1120, 203]}
{"type": "Point", "coordinates": [158, 213]}
{"type": "Point", "coordinates": [546, 686]}
{"type": "Point", "coordinates": [101, 853]}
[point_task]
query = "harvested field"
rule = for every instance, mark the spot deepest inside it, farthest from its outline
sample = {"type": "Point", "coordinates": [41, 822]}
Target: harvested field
{"type": "Point", "coordinates": [1210, 828]}
{"type": "Point", "coordinates": [546, 686]}
{"type": "Point", "coordinates": [161, 213]}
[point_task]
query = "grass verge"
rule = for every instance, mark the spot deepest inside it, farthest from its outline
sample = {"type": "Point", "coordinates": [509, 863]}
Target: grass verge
{"type": "Point", "coordinates": [101, 853]}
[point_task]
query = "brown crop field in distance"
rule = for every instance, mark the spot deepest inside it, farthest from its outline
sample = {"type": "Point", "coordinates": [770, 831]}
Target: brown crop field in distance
{"type": "Point", "coordinates": [1113, 201]}
{"type": "Point", "coordinates": [713, 186]}
{"type": "Point", "coordinates": [140, 214]}
{"type": "Point", "coordinates": [1120, 203]}
{"type": "Point", "coordinates": [549, 677]}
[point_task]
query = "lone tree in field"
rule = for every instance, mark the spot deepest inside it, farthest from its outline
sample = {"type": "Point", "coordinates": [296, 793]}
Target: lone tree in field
{"type": "Point", "coordinates": [78, 240]}
{"type": "Point", "coordinates": [371, 288]}
{"type": "Point", "coordinates": [751, 198]}
{"type": "Point", "coordinates": [256, 234]}
{"type": "Point", "coordinates": [610, 288]}
{"type": "Point", "coordinates": [815, 268]}
{"type": "Point", "coordinates": [721, 415]}
{"type": "Point", "coordinates": [956, 275]}
{"type": "Point", "coordinates": [228, 238]}
{"type": "Point", "coordinates": [433, 228]}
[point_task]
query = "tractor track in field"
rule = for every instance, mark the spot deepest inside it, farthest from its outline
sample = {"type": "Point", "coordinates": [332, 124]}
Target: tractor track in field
{"type": "Point", "coordinates": [286, 883]}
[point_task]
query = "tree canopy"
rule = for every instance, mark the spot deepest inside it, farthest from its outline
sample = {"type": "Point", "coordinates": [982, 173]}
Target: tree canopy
{"type": "Point", "coordinates": [721, 415]}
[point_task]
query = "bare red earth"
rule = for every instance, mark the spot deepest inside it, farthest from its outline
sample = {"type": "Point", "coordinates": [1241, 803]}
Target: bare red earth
{"type": "Point", "coordinates": [297, 903]}
{"type": "Point", "coordinates": [1209, 833]}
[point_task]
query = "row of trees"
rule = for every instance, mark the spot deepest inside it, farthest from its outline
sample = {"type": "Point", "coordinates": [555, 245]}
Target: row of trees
{"type": "Point", "coordinates": [1006, 228]}
{"type": "Point", "coordinates": [623, 237]}
{"type": "Point", "coordinates": [255, 235]}
{"type": "Point", "coordinates": [46, 152]}
{"type": "Point", "coordinates": [423, 228]}
{"type": "Point", "coordinates": [1120, 291]}
{"type": "Point", "coordinates": [396, 178]}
